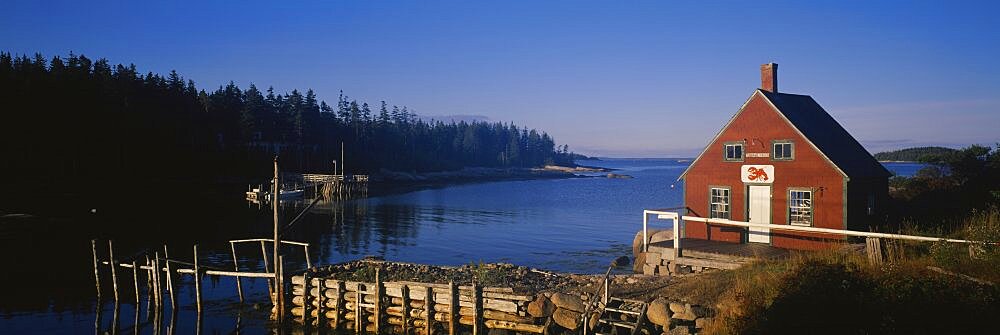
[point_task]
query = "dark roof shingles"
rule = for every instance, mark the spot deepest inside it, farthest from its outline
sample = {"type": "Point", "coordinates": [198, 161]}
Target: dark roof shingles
{"type": "Point", "coordinates": [828, 135]}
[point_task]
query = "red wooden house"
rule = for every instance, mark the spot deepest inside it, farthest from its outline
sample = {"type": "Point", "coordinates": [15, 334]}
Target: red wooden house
{"type": "Point", "coordinates": [784, 160]}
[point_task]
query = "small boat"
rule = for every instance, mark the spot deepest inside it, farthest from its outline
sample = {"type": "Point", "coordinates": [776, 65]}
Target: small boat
{"type": "Point", "coordinates": [287, 195]}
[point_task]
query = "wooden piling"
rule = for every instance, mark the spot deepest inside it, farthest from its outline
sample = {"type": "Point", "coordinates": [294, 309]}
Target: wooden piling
{"type": "Point", "coordinates": [429, 307]}
{"type": "Point", "coordinates": [197, 280]}
{"type": "Point", "coordinates": [321, 301]}
{"type": "Point", "coordinates": [280, 281]}
{"type": "Point", "coordinates": [405, 289]}
{"type": "Point", "coordinates": [135, 280]}
{"type": "Point", "coordinates": [149, 287]}
{"type": "Point", "coordinates": [114, 268]}
{"type": "Point", "coordinates": [379, 296]}
{"type": "Point", "coordinates": [158, 272]}
{"type": "Point", "coordinates": [340, 309]}
{"type": "Point", "coordinates": [453, 315]}
{"type": "Point", "coordinates": [275, 200]}
{"type": "Point", "coordinates": [97, 274]}
{"type": "Point", "coordinates": [358, 311]}
{"type": "Point", "coordinates": [270, 282]}
{"type": "Point", "coordinates": [170, 280]}
{"type": "Point", "coordinates": [477, 310]}
{"type": "Point", "coordinates": [236, 267]}
{"type": "Point", "coordinates": [306, 296]}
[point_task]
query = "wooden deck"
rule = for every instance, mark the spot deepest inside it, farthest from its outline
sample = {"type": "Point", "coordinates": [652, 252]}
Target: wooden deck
{"type": "Point", "coordinates": [716, 254]}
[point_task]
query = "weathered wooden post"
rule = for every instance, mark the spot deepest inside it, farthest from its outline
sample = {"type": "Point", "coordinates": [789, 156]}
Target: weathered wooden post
{"type": "Point", "coordinates": [428, 309]}
{"type": "Point", "coordinates": [270, 281]}
{"type": "Point", "coordinates": [97, 274]}
{"type": "Point", "coordinates": [379, 291]}
{"type": "Point", "coordinates": [135, 280]}
{"type": "Point", "coordinates": [453, 309]}
{"type": "Point", "coordinates": [114, 268]}
{"type": "Point", "coordinates": [477, 309]}
{"type": "Point", "coordinates": [156, 281]}
{"type": "Point", "coordinates": [308, 262]}
{"type": "Point", "coordinates": [236, 267]}
{"type": "Point", "coordinates": [275, 199]}
{"type": "Point", "coordinates": [405, 293]}
{"type": "Point", "coordinates": [358, 315]}
{"type": "Point", "coordinates": [339, 304]}
{"type": "Point", "coordinates": [280, 281]}
{"type": "Point", "coordinates": [149, 287]}
{"type": "Point", "coordinates": [170, 279]}
{"type": "Point", "coordinates": [305, 297]}
{"type": "Point", "coordinates": [321, 301]}
{"type": "Point", "coordinates": [197, 280]}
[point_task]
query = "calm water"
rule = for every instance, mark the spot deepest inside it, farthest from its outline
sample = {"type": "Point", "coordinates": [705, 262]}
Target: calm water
{"type": "Point", "coordinates": [572, 225]}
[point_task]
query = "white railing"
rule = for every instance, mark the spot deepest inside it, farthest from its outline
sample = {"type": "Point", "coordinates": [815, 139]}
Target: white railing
{"type": "Point", "coordinates": [677, 222]}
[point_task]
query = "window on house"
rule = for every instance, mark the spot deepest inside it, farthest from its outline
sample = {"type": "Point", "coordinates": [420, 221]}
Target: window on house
{"type": "Point", "coordinates": [734, 151]}
{"type": "Point", "coordinates": [800, 209]}
{"type": "Point", "coordinates": [782, 151]}
{"type": "Point", "coordinates": [719, 203]}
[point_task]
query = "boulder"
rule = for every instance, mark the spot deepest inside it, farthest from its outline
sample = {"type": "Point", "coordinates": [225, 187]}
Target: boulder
{"type": "Point", "coordinates": [594, 319]}
{"type": "Point", "coordinates": [684, 315]}
{"type": "Point", "coordinates": [677, 307]}
{"type": "Point", "coordinates": [541, 307]}
{"type": "Point", "coordinates": [566, 318]}
{"type": "Point", "coordinates": [640, 261]}
{"type": "Point", "coordinates": [658, 312]}
{"type": "Point", "coordinates": [622, 261]}
{"type": "Point", "coordinates": [568, 302]}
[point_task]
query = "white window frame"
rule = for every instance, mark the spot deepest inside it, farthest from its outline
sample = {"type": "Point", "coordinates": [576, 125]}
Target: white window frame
{"type": "Point", "coordinates": [801, 209]}
{"type": "Point", "coordinates": [723, 199]}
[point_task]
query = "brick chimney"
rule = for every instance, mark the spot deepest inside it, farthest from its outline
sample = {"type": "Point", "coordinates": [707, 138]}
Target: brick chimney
{"type": "Point", "coordinates": [769, 77]}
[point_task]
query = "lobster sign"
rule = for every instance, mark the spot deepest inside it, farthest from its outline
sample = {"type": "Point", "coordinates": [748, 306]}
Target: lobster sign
{"type": "Point", "coordinates": [757, 174]}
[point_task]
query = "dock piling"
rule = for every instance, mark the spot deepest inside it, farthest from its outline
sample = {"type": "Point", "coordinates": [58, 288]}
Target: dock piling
{"type": "Point", "coordinates": [97, 274]}
{"type": "Point", "coordinates": [114, 269]}
{"type": "Point", "coordinates": [197, 280]}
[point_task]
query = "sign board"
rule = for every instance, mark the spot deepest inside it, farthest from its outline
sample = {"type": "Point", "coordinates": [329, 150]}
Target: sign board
{"type": "Point", "coordinates": [759, 154]}
{"type": "Point", "coordinates": [757, 174]}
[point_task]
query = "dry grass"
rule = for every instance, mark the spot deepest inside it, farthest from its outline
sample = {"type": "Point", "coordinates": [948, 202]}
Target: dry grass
{"type": "Point", "coordinates": [840, 292]}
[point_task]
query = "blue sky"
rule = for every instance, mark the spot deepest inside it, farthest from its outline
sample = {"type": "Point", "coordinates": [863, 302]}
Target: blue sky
{"type": "Point", "coordinates": [611, 78]}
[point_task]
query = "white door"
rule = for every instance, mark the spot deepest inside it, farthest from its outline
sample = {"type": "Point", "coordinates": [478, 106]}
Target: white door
{"type": "Point", "coordinates": [760, 212]}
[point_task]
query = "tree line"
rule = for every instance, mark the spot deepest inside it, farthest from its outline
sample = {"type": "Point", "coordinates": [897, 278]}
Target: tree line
{"type": "Point", "coordinates": [73, 117]}
{"type": "Point", "coordinates": [917, 154]}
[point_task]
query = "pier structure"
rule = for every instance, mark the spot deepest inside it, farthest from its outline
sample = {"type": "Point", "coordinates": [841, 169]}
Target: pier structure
{"type": "Point", "coordinates": [336, 186]}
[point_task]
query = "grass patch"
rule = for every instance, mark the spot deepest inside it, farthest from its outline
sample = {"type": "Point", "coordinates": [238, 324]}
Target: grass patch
{"type": "Point", "coordinates": [841, 292]}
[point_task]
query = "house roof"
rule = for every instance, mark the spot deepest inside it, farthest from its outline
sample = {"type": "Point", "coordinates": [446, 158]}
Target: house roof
{"type": "Point", "coordinates": [823, 132]}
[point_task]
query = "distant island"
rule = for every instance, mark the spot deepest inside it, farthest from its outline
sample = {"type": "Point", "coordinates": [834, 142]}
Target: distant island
{"type": "Point", "coordinates": [917, 154]}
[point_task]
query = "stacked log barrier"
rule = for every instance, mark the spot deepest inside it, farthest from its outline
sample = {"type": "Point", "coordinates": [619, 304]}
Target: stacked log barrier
{"type": "Point", "coordinates": [410, 307]}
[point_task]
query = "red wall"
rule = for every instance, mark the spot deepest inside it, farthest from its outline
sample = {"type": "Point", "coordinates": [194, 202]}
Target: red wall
{"type": "Point", "coordinates": [758, 125]}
